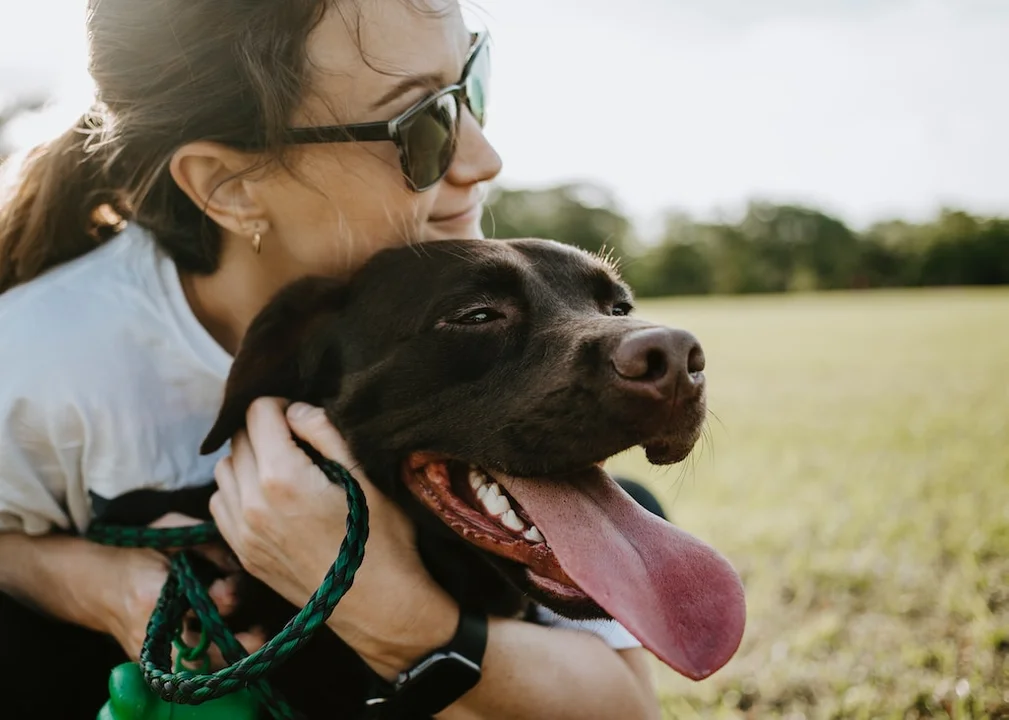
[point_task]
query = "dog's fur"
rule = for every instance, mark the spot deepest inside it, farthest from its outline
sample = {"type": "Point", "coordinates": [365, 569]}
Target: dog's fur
{"type": "Point", "coordinates": [402, 364]}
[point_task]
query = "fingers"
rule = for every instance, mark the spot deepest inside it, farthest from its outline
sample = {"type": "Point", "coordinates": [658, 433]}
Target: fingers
{"type": "Point", "coordinates": [278, 469]}
{"type": "Point", "coordinates": [225, 505]}
{"type": "Point", "coordinates": [246, 469]}
{"type": "Point", "coordinates": [220, 555]}
{"type": "Point", "coordinates": [268, 444]}
{"type": "Point", "coordinates": [175, 520]}
{"type": "Point", "coordinates": [252, 640]}
{"type": "Point", "coordinates": [269, 434]}
{"type": "Point", "coordinates": [311, 425]}
{"type": "Point", "coordinates": [224, 593]}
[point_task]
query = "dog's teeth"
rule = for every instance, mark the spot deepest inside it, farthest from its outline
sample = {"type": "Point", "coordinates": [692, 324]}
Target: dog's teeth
{"type": "Point", "coordinates": [495, 489]}
{"type": "Point", "coordinates": [511, 521]}
{"type": "Point", "coordinates": [477, 479]}
{"type": "Point", "coordinates": [534, 535]}
{"type": "Point", "coordinates": [482, 492]}
{"type": "Point", "coordinates": [496, 505]}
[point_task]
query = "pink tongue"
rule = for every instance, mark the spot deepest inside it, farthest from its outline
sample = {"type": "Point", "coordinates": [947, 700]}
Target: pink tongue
{"type": "Point", "coordinates": [679, 597]}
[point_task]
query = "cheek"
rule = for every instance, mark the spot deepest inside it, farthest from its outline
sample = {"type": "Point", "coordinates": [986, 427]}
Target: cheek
{"type": "Point", "coordinates": [344, 203]}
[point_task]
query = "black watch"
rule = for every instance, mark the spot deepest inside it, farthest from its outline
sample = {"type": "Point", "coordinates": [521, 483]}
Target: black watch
{"type": "Point", "coordinates": [441, 677]}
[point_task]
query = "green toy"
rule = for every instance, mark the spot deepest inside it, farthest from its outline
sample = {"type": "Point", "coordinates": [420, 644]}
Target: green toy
{"type": "Point", "coordinates": [149, 691]}
{"type": "Point", "coordinates": [132, 699]}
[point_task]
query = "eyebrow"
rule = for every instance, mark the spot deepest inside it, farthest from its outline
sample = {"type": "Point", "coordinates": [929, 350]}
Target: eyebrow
{"type": "Point", "coordinates": [427, 80]}
{"type": "Point", "coordinates": [606, 287]}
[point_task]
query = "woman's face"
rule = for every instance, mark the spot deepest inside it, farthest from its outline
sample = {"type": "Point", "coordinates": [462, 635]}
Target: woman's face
{"type": "Point", "coordinates": [345, 201]}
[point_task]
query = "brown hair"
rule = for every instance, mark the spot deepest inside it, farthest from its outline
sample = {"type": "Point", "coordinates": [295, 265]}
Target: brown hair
{"type": "Point", "coordinates": [167, 73]}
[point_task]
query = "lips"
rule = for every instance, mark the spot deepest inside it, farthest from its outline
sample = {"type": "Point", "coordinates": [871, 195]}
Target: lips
{"type": "Point", "coordinates": [471, 213]}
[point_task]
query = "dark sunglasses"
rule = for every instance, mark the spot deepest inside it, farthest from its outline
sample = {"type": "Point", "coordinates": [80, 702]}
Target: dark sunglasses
{"type": "Point", "coordinates": [426, 134]}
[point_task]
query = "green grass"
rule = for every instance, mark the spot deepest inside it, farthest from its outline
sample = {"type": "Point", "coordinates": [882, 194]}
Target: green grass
{"type": "Point", "coordinates": [856, 473]}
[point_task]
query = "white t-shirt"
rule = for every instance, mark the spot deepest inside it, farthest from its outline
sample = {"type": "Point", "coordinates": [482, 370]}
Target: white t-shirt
{"type": "Point", "coordinates": [108, 385]}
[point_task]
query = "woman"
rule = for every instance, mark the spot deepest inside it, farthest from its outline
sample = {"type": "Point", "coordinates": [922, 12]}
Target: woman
{"type": "Point", "coordinates": [116, 351]}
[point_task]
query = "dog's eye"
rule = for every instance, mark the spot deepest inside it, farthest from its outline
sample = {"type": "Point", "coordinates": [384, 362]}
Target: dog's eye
{"type": "Point", "coordinates": [479, 316]}
{"type": "Point", "coordinates": [622, 309]}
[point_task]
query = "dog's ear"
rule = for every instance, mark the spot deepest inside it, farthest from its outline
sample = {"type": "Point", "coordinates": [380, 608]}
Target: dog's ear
{"type": "Point", "coordinates": [281, 353]}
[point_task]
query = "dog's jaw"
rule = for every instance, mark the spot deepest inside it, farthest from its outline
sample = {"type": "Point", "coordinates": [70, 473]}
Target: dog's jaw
{"type": "Point", "coordinates": [472, 504]}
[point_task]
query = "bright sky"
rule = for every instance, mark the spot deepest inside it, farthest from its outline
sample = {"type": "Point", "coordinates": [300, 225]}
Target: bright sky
{"type": "Point", "coordinates": [868, 108]}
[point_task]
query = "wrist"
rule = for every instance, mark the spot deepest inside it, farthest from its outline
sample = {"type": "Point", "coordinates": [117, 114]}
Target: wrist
{"type": "Point", "coordinates": [106, 599]}
{"type": "Point", "coordinates": [393, 644]}
{"type": "Point", "coordinates": [122, 590]}
{"type": "Point", "coordinates": [69, 578]}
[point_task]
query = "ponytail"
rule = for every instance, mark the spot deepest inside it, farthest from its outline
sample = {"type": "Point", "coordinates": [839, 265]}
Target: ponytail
{"type": "Point", "coordinates": [63, 203]}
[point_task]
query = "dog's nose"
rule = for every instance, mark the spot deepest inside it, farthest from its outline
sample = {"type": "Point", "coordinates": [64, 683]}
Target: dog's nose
{"type": "Point", "coordinates": [660, 360]}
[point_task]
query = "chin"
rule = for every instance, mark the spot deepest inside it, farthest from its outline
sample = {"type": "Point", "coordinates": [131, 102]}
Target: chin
{"type": "Point", "coordinates": [464, 228]}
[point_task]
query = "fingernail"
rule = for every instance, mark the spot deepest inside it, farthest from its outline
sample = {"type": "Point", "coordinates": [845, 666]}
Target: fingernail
{"type": "Point", "coordinates": [298, 410]}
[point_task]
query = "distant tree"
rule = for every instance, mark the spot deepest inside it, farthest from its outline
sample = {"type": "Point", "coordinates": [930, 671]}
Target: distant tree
{"type": "Point", "coordinates": [583, 215]}
{"type": "Point", "coordinates": [680, 264]}
{"type": "Point", "coordinates": [965, 250]}
{"type": "Point", "coordinates": [801, 247]}
{"type": "Point", "coordinates": [773, 248]}
{"type": "Point", "coordinates": [891, 254]}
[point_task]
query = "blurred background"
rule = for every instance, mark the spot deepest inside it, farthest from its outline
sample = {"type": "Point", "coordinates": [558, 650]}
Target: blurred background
{"type": "Point", "coordinates": [819, 189]}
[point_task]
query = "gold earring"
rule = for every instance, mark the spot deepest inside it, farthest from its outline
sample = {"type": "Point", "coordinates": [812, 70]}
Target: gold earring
{"type": "Point", "coordinates": [257, 242]}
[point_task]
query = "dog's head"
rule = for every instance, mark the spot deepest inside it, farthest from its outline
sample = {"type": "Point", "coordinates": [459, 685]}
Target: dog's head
{"type": "Point", "coordinates": [481, 384]}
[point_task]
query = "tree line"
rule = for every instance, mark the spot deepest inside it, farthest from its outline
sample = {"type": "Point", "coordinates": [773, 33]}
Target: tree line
{"type": "Point", "coordinates": [772, 249]}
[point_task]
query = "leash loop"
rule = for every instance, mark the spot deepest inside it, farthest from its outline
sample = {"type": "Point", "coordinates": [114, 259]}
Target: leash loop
{"type": "Point", "coordinates": [183, 591]}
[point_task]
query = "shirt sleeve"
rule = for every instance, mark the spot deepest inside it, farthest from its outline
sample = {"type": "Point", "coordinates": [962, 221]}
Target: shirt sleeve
{"type": "Point", "coordinates": [41, 432]}
{"type": "Point", "coordinates": [36, 462]}
{"type": "Point", "coordinates": [610, 631]}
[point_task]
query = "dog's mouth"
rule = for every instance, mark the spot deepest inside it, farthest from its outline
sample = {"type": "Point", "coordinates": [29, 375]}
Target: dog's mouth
{"type": "Point", "coordinates": [584, 541]}
{"type": "Point", "coordinates": [475, 505]}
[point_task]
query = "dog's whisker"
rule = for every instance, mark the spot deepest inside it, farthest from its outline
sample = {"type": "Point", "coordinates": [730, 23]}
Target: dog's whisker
{"type": "Point", "coordinates": [607, 255]}
{"type": "Point", "coordinates": [713, 414]}
{"type": "Point", "coordinates": [708, 441]}
{"type": "Point", "coordinates": [677, 482]}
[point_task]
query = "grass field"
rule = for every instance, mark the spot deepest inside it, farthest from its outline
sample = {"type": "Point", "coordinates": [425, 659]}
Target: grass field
{"type": "Point", "coordinates": [857, 475]}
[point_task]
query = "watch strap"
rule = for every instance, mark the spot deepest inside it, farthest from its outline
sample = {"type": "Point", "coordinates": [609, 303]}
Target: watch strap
{"type": "Point", "coordinates": [438, 679]}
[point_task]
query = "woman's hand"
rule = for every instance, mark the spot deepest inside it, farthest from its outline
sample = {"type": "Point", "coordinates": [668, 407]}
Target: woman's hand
{"type": "Point", "coordinates": [285, 521]}
{"type": "Point", "coordinates": [144, 572]}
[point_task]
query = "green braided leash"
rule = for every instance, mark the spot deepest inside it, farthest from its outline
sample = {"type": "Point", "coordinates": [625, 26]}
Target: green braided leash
{"type": "Point", "coordinates": [183, 591]}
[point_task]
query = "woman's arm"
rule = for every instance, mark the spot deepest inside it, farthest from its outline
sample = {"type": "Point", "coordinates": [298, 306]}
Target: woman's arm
{"type": "Point", "coordinates": [534, 671]}
{"type": "Point", "coordinates": [563, 673]}
{"type": "Point", "coordinates": [528, 670]}
{"type": "Point", "coordinates": [81, 582]}
{"type": "Point", "coordinates": [276, 511]}
{"type": "Point", "coordinates": [110, 590]}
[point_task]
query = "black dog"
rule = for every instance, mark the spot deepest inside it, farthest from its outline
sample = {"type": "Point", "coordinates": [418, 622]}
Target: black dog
{"type": "Point", "coordinates": [481, 384]}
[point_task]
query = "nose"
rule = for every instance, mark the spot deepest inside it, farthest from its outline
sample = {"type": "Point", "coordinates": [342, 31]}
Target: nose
{"type": "Point", "coordinates": [660, 361]}
{"type": "Point", "coordinates": [475, 159]}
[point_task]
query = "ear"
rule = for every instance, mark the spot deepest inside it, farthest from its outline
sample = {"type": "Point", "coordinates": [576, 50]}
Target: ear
{"type": "Point", "coordinates": [213, 176]}
{"type": "Point", "coordinates": [282, 353]}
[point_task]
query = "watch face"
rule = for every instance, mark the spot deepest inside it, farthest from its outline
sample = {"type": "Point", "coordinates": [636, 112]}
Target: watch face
{"type": "Point", "coordinates": [437, 682]}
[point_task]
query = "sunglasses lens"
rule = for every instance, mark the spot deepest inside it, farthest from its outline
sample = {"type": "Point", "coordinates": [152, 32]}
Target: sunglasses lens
{"type": "Point", "coordinates": [429, 141]}
{"type": "Point", "coordinates": [476, 84]}
{"type": "Point", "coordinates": [429, 137]}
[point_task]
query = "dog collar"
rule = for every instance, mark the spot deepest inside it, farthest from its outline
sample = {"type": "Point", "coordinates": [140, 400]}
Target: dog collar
{"type": "Point", "coordinates": [438, 679]}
